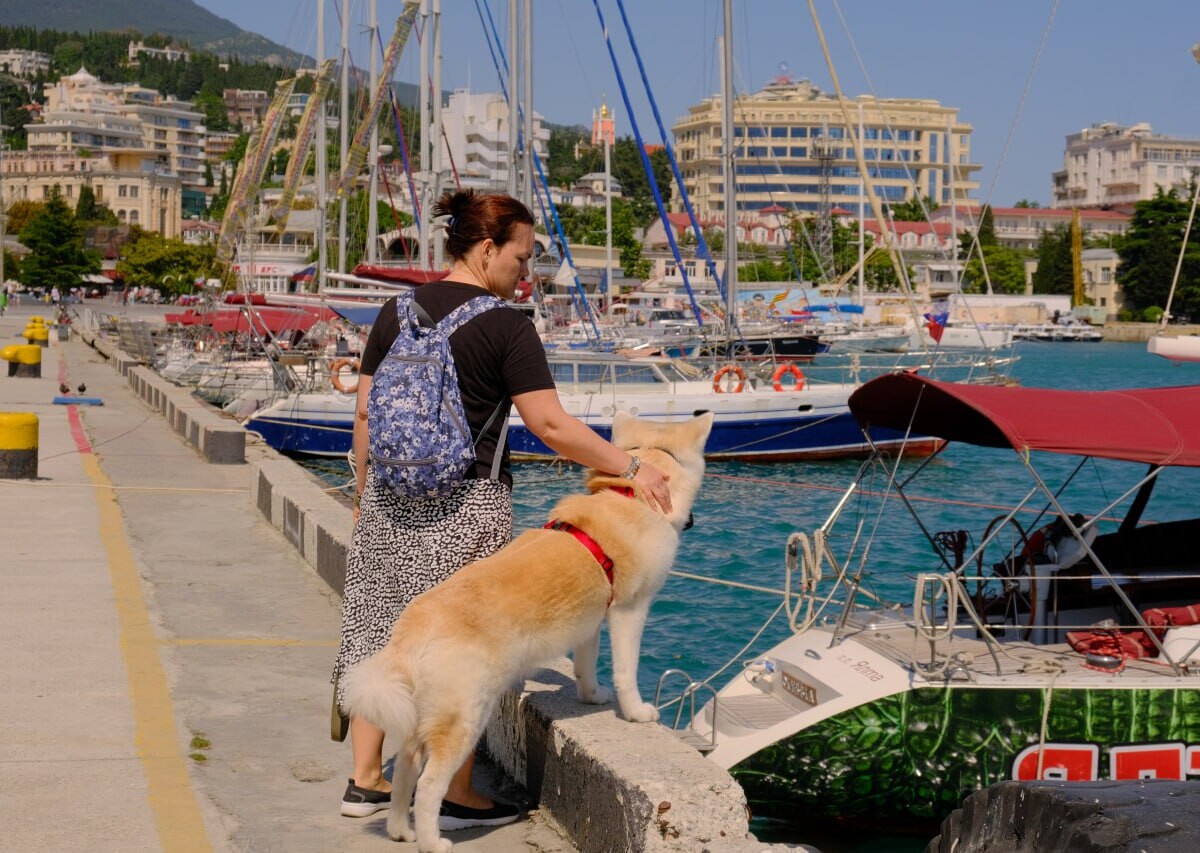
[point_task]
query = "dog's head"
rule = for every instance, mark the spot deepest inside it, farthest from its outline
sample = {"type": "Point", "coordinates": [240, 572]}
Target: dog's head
{"type": "Point", "coordinates": [676, 449]}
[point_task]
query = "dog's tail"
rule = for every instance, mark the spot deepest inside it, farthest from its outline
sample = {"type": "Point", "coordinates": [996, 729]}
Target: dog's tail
{"type": "Point", "coordinates": [380, 693]}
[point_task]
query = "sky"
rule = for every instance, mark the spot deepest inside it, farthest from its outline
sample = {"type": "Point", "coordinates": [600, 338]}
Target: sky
{"type": "Point", "coordinates": [1023, 73]}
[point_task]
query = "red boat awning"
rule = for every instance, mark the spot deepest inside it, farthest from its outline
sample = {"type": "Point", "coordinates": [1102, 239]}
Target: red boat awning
{"type": "Point", "coordinates": [400, 275]}
{"type": "Point", "coordinates": [1159, 426]}
{"type": "Point", "coordinates": [266, 318]}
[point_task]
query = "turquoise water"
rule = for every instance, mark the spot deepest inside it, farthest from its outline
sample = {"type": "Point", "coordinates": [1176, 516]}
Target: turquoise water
{"type": "Point", "coordinates": [746, 512]}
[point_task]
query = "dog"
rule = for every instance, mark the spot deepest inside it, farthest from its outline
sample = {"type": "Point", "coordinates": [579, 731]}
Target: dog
{"type": "Point", "coordinates": [457, 647]}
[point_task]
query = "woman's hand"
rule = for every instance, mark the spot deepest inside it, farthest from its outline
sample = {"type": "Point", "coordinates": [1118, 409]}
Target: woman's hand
{"type": "Point", "coordinates": [653, 484]}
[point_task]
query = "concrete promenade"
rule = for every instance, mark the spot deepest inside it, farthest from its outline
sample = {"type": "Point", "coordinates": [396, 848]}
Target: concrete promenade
{"type": "Point", "coordinates": [166, 650]}
{"type": "Point", "coordinates": [169, 624]}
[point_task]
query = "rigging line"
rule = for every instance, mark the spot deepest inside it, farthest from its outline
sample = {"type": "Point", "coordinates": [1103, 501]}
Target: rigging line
{"type": "Point", "coordinates": [654, 188]}
{"type": "Point", "coordinates": [701, 243]}
{"type": "Point", "coordinates": [412, 187]}
{"type": "Point", "coordinates": [578, 295]}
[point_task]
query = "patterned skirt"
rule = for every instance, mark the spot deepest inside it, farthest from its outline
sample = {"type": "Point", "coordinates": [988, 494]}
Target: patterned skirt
{"type": "Point", "coordinates": [404, 546]}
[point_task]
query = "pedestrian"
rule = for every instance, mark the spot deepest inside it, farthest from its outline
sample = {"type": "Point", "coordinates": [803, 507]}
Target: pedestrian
{"type": "Point", "coordinates": [403, 546]}
{"type": "Point", "coordinates": [54, 295]}
{"type": "Point", "coordinates": [3, 300]}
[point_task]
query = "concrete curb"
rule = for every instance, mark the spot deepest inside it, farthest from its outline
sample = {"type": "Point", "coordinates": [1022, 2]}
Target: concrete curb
{"type": "Point", "coordinates": [219, 439]}
{"type": "Point", "coordinates": [610, 785]}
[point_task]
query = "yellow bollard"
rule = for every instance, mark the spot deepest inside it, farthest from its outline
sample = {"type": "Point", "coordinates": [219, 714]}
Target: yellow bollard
{"type": "Point", "coordinates": [23, 360]}
{"type": "Point", "coordinates": [39, 335]}
{"type": "Point", "coordinates": [37, 320]}
{"type": "Point", "coordinates": [18, 445]}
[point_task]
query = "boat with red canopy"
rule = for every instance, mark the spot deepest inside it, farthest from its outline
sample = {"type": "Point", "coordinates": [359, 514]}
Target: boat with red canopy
{"type": "Point", "coordinates": [1055, 639]}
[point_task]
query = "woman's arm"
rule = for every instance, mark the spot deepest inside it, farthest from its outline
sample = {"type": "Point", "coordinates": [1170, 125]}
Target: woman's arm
{"type": "Point", "coordinates": [545, 417]}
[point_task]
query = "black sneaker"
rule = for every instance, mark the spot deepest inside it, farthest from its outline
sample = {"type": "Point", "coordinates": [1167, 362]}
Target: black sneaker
{"type": "Point", "coordinates": [363, 802]}
{"type": "Point", "coordinates": [454, 816]}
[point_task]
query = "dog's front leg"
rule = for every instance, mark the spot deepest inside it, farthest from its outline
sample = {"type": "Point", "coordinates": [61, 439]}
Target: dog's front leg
{"type": "Point", "coordinates": [587, 684]}
{"type": "Point", "coordinates": [625, 626]}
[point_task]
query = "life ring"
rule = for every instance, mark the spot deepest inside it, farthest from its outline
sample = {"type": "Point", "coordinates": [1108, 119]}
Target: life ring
{"type": "Point", "coordinates": [335, 374]}
{"type": "Point", "coordinates": [784, 369]}
{"type": "Point", "coordinates": [729, 370]}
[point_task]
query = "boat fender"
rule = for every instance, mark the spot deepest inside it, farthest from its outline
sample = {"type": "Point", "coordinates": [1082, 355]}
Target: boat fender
{"type": "Point", "coordinates": [720, 383]}
{"type": "Point", "coordinates": [335, 375]}
{"type": "Point", "coordinates": [782, 371]}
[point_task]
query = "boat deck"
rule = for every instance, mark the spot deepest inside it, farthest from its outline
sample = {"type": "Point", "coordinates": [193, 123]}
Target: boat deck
{"type": "Point", "coordinates": [966, 657]}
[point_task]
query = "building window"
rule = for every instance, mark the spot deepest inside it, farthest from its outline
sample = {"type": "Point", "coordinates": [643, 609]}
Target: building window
{"type": "Point", "coordinates": [122, 191]}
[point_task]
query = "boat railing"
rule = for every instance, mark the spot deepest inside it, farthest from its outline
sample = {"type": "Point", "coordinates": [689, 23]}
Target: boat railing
{"type": "Point", "coordinates": [687, 697]}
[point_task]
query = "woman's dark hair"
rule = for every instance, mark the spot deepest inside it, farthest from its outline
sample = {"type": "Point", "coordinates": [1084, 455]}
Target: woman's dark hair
{"type": "Point", "coordinates": [474, 218]}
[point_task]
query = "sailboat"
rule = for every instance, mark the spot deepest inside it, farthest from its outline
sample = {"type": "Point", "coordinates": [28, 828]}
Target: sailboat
{"type": "Point", "coordinates": [1177, 347]}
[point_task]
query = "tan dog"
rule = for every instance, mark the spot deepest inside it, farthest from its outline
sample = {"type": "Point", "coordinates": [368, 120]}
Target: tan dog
{"type": "Point", "coordinates": [457, 647]}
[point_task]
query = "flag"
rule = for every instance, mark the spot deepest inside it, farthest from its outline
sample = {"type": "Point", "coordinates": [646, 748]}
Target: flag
{"type": "Point", "coordinates": [936, 324]}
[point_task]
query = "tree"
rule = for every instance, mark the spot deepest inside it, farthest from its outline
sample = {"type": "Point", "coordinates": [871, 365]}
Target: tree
{"type": "Point", "coordinates": [1026, 203]}
{"type": "Point", "coordinates": [1149, 252]}
{"type": "Point", "coordinates": [1056, 268]}
{"type": "Point", "coordinates": [55, 242]}
{"type": "Point", "coordinates": [21, 213]}
{"type": "Point", "coordinates": [1005, 271]}
{"type": "Point", "coordinates": [88, 211]}
{"type": "Point", "coordinates": [154, 261]}
{"type": "Point", "coordinates": [910, 210]}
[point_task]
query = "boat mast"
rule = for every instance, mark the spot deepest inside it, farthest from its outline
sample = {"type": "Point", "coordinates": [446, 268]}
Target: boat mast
{"type": "Point", "coordinates": [344, 131]}
{"type": "Point", "coordinates": [426, 183]}
{"type": "Point", "coordinates": [730, 180]}
{"type": "Point", "coordinates": [527, 150]}
{"type": "Point", "coordinates": [435, 131]}
{"type": "Point", "coordinates": [321, 156]}
{"type": "Point", "coordinates": [372, 246]}
{"type": "Point", "coordinates": [514, 97]}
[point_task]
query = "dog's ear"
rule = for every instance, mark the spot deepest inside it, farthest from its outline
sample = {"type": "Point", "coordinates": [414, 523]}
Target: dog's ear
{"type": "Point", "coordinates": [701, 426]}
{"type": "Point", "coordinates": [622, 423]}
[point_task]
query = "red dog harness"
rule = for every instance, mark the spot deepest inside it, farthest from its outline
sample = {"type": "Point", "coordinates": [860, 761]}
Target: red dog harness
{"type": "Point", "coordinates": [591, 544]}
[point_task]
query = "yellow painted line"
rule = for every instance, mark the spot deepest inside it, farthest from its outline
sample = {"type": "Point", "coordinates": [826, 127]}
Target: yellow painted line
{"type": "Point", "coordinates": [172, 798]}
{"type": "Point", "coordinates": [251, 641]}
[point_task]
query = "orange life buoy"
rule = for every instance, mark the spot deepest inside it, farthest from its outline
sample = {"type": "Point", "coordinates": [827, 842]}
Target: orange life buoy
{"type": "Point", "coordinates": [335, 374]}
{"type": "Point", "coordinates": [784, 369]}
{"type": "Point", "coordinates": [729, 370]}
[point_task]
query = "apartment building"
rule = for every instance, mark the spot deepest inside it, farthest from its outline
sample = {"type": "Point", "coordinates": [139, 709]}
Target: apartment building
{"type": "Point", "coordinates": [1022, 227]}
{"type": "Point", "coordinates": [171, 54]}
{"type": "Point", "coordinates": [794, 147]}
{"type": "Point", "coordinates": [475, 139]}
{"type": "Point", "coordinates": [1109, 164]}
{"type": "Point", "coordinates": [130, 181]}
{"type": "Point", "coordinates": [24, 63]}
{"type": "Point", "coordinates": [246, 107]}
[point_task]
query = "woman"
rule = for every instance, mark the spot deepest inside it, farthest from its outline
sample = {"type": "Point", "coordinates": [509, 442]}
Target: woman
{"type": "Point", "coordinates": [404, 546]}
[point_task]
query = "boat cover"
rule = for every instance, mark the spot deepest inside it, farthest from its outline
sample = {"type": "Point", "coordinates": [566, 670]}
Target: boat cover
{"type": "Point", "coordinates": [1158, 426]}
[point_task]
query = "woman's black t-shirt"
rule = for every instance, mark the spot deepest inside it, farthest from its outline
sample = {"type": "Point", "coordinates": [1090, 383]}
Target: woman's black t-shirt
{"type": "Point", "coordinates": [497, 354]}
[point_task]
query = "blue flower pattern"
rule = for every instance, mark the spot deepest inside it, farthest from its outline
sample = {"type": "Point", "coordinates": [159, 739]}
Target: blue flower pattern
{"type": "Point", "coordinates": [419, 439]}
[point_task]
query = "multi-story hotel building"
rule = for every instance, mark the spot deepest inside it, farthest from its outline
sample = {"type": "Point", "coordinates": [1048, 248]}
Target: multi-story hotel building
{"type": "Point", "coordinates": [794, 147]}
{"type": "Point", "coordinates": [104, 137]}
{"type": "Point", "coordinates": [1107, 164]}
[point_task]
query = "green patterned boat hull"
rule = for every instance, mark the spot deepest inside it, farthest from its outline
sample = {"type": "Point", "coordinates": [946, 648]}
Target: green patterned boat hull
{"type": "Point", "coordinates": [917, 754]}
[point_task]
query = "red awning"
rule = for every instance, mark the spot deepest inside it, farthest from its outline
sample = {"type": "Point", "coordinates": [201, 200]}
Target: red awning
{"type": "Point", "coordinates": [1159, 426]}
{"type": "Point", "coordinates": [266, 318]}
{"type": "Point", "coordinates": [401, 275]}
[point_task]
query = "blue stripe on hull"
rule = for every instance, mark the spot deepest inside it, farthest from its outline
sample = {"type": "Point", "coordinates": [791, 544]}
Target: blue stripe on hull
{"type": "Point", "coordinates": [311, 438]}
{"type": "Point", "coordinates": [822, 437]}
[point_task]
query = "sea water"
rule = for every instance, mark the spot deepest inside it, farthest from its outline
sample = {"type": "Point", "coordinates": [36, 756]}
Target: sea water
{"type": "Point", "coordinates": [746, 512]}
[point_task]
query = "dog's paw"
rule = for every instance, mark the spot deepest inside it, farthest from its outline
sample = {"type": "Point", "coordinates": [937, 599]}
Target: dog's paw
{"type": "Point", "coordinates": [399, 829]}
{"type": "Point", "coordinates": [596, 696]}
{"type": "Point", "coordinates": [643, 713]}
{"type": "Point", "coordinates": [442, 845]}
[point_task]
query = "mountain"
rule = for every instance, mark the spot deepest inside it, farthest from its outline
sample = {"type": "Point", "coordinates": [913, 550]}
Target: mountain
{"type": "Point", "coordinates": [181, 19]}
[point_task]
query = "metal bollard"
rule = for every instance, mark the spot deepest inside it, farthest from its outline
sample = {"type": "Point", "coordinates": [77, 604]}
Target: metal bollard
{"type": "Point", "coordinates": [18, 445]}
{"type": "Point", "coordinates": [23, 360]}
